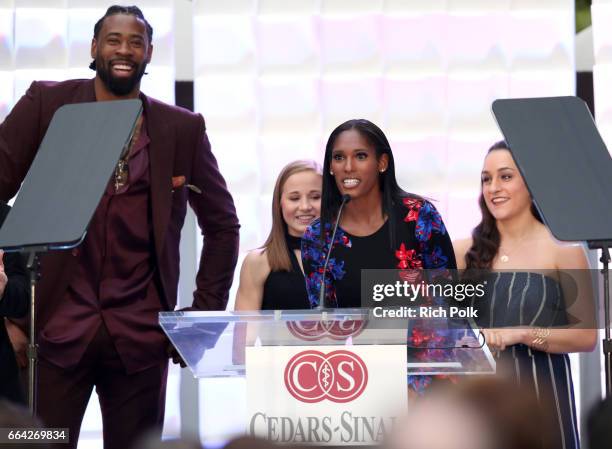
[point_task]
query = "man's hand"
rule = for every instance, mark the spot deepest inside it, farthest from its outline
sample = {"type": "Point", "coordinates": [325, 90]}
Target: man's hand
{"type": "Point", "coordinates": [19, 342]}
{"type": "Point", "coordinates": [176, 358]}
{"type": "Point", "coordinates": [3, 276]}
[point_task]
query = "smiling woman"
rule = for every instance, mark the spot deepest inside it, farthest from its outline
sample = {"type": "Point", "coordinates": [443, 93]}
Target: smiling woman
{"type": "Point", "coordinates": [524, 303]}
{"type": "Point", "coordinates": [382, 227]}
{"type": "Point", "coordinates": [356, 167]}
{"type": "Point", "coordinates": [271, 277]}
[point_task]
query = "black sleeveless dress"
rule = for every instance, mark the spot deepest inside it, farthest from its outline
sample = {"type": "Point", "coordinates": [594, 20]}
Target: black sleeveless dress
{"type": "Point", "coordinates": [421, 242]}
{"type": "Point", "coordinates": [286, 290]}
{"type": "Point", "coordinates": [533, 299]}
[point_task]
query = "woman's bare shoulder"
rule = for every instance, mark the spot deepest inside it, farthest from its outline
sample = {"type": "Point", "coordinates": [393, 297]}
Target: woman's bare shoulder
{"type": "Point", "coordinates": [256, 263]}
{"type": "Point", "coordinates": [563, 255]}
{"type": "Point", "coordinates": [570, 255]}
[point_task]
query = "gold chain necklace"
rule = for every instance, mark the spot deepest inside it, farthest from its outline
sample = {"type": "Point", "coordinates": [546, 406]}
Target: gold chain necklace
{"type": "Point", "coordinates": [122, 169]}
{"type": "Point", "coordinates": [504, 256]}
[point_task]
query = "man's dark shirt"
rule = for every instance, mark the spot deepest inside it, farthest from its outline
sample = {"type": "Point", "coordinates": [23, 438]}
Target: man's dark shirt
{"type": "Point", "coordinates": [113, 281]}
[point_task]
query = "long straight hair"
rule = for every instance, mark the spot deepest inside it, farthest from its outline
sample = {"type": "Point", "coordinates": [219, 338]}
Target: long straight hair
{"type": "Point", "coordinates": [485, 236]}
{"type": "Point", "coordinates": [275, 246]}
{"type": "Point", "coordinates": [392, 193]}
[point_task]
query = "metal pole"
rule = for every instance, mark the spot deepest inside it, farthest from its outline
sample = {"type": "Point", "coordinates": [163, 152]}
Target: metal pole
{"type": "Point", "coordinates": [607, 343]}
{"type": "Point", "coordinates": [32, 266]}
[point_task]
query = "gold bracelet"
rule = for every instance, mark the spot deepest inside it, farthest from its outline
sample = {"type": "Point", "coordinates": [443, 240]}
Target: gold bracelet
{"type": "Point", "coordinates": [539, 338]}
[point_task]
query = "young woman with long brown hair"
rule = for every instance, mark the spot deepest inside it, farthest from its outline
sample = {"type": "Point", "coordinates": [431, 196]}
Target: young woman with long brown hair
{"type": "Point", "coordinates": [271, 277]}
{"type": "Point", "coordinates": [526, 303]}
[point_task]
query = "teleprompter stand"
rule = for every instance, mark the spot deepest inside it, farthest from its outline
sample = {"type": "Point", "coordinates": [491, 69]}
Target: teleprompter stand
{"type": "Point", "coordinates": [607, 341]}
{"type": "Point", "coordinates": [568, 171]}
{"type": "Point", "coordinates": [63, 188]}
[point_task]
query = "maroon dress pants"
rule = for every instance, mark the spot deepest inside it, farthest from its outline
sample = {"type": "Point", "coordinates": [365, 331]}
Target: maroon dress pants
{"type": "Point", "coordinates": [132, 404]}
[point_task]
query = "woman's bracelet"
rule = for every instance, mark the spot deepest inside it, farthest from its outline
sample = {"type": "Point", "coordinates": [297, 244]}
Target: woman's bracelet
{"type": "Point", "coordinates": [540, 335]}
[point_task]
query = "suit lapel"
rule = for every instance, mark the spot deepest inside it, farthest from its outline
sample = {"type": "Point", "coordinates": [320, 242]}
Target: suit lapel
{"type": "Point", "coordinates": [161, 161]}
{"type": "Point", "coordinates": [85, 93]}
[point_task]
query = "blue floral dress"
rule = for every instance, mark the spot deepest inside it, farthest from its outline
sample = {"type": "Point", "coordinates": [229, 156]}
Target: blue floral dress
{"type": "Point", "coordinates": [421, 241]}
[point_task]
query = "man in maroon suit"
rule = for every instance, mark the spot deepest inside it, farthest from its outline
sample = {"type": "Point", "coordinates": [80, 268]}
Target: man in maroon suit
{"type": "Point", "coordinates": [98, 305]}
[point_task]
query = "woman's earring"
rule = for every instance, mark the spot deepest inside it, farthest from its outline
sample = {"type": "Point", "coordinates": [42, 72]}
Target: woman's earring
{"type": "Point", "coordinates": [331, 173]}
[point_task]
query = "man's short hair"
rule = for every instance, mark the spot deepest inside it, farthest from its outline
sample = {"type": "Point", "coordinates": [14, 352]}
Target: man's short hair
{"type": "Point", "coordinates": [129, 10]}
{"type": "Point", "coordinates": [117, 9]}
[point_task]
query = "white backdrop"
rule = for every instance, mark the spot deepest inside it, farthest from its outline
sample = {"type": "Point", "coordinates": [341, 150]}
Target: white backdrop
{"type": "Point", "coordinates": [274, 77]}
{"type": "Point", "coordinates": [602, 70]}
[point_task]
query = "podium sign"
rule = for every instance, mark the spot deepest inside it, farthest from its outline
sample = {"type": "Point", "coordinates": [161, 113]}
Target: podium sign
{"type": "Point", "coordinates": [327, 377]}
{"type": "Point", "coordinates": [337, 395]}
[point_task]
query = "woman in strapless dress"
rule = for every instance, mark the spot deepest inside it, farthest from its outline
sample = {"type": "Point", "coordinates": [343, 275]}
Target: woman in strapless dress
{"type": "Point", "coordinates": [527, 320]}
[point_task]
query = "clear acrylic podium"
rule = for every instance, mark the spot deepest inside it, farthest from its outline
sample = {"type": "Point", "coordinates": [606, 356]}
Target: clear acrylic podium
{"type": "Point", "coordinates": [256, 352]}
{"type": "Point", "coordinates": [212, 344]}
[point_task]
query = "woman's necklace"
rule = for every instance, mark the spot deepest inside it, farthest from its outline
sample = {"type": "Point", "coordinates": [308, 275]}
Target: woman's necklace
{"type": "Point", "coordinates": [504, 255]}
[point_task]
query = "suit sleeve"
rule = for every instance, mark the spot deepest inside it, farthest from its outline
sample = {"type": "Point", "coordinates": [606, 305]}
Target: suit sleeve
{"type": "Point", "coordinates": [14, 302]}
{"type": "Point", "coordinates": [19, 141]}
{"type": "Point", "coordinates": [216, 214]}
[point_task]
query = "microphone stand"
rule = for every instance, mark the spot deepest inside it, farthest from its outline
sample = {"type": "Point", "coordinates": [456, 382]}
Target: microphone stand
{"type": "Point", "coordinates": [345, 199]}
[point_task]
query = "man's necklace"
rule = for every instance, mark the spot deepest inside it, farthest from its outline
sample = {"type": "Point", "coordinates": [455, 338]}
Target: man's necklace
{"type": "Point", "coordinates": [122, 169]}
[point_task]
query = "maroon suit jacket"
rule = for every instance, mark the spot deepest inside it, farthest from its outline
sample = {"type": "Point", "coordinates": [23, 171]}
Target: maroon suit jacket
{"type": "Point", "coordinates": [179, 147]}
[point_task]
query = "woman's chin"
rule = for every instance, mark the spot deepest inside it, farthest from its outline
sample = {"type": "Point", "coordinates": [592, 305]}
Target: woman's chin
{"type": "Point", "coordinates": [354, 192]}
{"type": "Point", "coordinates": [297, 231]}
{"type": "Point", "coordinates": [503, 215]}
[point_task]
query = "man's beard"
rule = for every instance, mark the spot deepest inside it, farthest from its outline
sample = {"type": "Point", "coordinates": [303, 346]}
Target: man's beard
{"type": "Point", "coordinates": [119, 86]}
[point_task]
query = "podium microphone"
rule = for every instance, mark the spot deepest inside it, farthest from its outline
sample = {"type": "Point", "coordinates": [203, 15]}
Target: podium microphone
{"type": "Point", "coordinates": [345, 199]}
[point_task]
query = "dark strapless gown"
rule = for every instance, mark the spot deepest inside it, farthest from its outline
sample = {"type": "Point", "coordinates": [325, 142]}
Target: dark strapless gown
{"type": "Point", "coordinates": [532, 299]}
